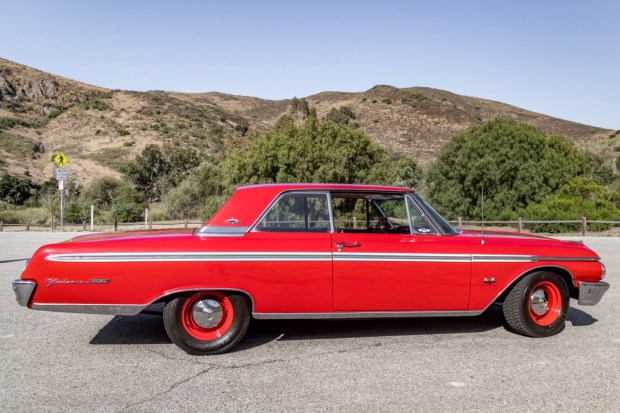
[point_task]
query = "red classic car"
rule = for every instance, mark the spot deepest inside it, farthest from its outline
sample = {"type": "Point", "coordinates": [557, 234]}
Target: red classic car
{"type": "Point", "coordinates": [293, 251]}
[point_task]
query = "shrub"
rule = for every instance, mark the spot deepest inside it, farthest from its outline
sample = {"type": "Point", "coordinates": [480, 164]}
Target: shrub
{"type": "Point", "coordinates": [516, 164]}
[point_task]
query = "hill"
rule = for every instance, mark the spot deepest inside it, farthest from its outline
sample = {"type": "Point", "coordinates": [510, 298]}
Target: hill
{"type": "Point", "coordinates": [99, 129]}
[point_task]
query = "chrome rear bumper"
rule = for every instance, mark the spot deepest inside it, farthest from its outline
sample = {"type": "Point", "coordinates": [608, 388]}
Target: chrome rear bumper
{"type": "Point", "coordinates": [23, 291]}
{"type": "Point", "coordinates": [591, 293]}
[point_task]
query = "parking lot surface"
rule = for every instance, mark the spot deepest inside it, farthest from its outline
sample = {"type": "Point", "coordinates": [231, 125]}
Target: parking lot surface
{"type": "Point", "coordinates": [73, 362]}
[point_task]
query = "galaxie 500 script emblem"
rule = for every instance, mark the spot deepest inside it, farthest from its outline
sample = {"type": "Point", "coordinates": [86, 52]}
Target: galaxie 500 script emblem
{"type": "Point", "coordinates": [53, 281]}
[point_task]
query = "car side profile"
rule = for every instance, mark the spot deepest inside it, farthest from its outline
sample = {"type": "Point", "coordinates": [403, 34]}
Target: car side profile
{"type": "Point", "coordinates": [313, 251]}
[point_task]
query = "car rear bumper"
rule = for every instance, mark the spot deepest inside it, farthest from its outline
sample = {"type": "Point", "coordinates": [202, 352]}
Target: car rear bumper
{"type": "Point", "coordinates": [23, 291]}
{"type": "Point", "coordinates": [591, 293]}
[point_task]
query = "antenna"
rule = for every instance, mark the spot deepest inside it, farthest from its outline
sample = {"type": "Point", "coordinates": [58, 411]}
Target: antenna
{"type": "Point", "coordinates": [482, 213]}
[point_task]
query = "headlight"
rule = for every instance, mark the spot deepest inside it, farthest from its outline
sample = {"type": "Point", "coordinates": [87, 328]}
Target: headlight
{"type": "Point", "coordinates": [603, 269]}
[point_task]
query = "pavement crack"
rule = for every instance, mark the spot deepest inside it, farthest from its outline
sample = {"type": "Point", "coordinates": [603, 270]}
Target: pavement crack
{"type": "Point", "coordinates": [200, 373]}
{"type": "Point", "coordinates": [169, 389]}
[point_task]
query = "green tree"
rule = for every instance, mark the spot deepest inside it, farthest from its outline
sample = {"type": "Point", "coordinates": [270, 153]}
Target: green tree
{"type": "Point", "coordinates": [115, 196]}
{"type": "Point", "coordinates": [516, 164]}
{"type": "Point", "coordinates": [155, 171]}
{"type": "Point", "coordinates": [316, 151]}
{"type": "Point", "coordinates": [15, 190]}
{"type": "Point", "coordinates": [199, 189]}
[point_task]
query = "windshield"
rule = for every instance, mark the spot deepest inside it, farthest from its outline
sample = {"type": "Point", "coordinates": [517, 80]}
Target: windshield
{"type": "Point", "coordinates": [441, 221]}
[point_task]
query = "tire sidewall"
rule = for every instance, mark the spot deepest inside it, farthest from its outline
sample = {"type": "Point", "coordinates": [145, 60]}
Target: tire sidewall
{"type": "Point", "coordinates": [558, 325]}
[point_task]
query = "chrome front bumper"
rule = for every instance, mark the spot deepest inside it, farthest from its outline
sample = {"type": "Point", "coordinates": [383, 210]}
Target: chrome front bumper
{"type": "Point", "coordinates": [591, 293]}
{"type": "Point", "coordinates": [23, 291]}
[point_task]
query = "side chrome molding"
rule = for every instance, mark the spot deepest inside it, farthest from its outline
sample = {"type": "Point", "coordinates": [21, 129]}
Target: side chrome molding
{"type": "Point", "coordinates": [344, 315]}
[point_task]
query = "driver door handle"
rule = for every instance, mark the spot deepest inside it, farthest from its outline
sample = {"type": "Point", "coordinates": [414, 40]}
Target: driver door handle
{"type": "Point", "coordinates": [341, 245]}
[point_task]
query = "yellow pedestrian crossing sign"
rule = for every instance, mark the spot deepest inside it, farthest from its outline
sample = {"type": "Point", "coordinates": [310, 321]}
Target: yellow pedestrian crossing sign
{"type": "Point", "coordinates": [61, 159]}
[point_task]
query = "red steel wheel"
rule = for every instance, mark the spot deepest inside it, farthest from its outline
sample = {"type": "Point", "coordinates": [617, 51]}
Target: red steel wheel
{"type": "Point", "coordinates": [207, 315]}
{"type": "Point", "coordinates": [545, 303]}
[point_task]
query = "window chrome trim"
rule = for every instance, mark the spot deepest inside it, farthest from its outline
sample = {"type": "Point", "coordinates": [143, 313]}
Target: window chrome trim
{"type": "Point", "coordinates": [408, 214]}
{"type": "Point", "coordinates": [332, 224]}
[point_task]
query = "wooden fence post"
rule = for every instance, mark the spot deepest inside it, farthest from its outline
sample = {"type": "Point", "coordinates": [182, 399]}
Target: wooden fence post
{"type": "Point", "coordinates": [186, 223]}
{"type": "Point", "coordinates": [584, 226]}
{"type": "Point", "coordinates": [1, 226]}
{"type": "Point", "coordinates": [150, 224]}
{"type": "Point", "coordinates": [520, 223]}
{"type": "Point", "coordinates": [115, 223]}
{"type": "Point", "coordinates": [460, 222]}
{"type": "Point", "coordinates": [52, 224]}
{"type": "Point", "coordinates": [354, 222]}
{"type": "Point", "coordinates": [28, 226]}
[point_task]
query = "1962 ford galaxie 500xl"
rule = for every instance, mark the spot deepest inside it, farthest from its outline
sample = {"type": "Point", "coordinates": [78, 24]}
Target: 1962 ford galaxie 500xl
{"type": "Point", "coordinates": [299, 251]}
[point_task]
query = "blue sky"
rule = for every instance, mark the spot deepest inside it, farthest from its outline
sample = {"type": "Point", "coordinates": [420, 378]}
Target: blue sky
{"type": "Point", "coordinates": [560, 58]}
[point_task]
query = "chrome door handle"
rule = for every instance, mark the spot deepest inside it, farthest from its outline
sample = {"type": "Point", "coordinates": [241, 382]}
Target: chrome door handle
{"type": "Point", "coordinates": [341, 245]}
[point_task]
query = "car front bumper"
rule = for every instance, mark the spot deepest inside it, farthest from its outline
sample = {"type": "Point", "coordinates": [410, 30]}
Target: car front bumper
{"type": "Point", "coordinates": [591, 293]}
{"type": "Point", "coordinates": [23, 291]}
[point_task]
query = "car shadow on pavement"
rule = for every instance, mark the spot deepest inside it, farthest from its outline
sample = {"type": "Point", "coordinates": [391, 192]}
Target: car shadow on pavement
{"type": "Point", "coordinates": [580, 318]}
{"type": "Point", "coordinates": [148, 328]}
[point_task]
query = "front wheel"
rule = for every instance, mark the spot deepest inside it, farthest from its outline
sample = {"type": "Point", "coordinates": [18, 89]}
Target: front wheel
{"type": "Point", "coordinates": [537, 305]}
{"type": "Point", "coordinates": [207, 322]}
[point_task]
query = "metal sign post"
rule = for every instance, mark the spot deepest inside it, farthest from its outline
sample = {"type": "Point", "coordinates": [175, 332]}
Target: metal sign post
{"type": "Point", "coordinates": [61, 187]}
{"type": "Point", "coordinates": [61, 176]}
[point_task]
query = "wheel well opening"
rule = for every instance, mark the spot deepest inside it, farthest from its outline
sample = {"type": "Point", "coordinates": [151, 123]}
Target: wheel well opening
{"type": "Point", "coordinates": [168, 297]}
{"type": "Point", "coordinates": [566, 276]}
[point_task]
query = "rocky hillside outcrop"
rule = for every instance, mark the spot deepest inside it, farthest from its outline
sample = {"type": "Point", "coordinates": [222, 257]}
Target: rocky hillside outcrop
{"type": "Point", "coordinates": [99, 129]}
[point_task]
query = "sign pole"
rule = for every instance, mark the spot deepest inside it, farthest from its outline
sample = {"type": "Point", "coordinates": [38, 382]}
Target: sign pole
{"type": "Point", "coordinates": [62, 205]}
{"type": "Point", "coordinates": [61, 176]}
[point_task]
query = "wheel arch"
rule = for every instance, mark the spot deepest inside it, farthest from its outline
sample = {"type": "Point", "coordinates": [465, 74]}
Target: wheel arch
{"type": "Point", "coordinates": [170, 295]}
{"type": "Point", "coordinates": [565, 274]}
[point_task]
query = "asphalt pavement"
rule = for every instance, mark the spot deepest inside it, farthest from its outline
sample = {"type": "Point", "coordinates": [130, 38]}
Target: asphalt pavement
{"type": "Point", "coordinates": [73, 362]}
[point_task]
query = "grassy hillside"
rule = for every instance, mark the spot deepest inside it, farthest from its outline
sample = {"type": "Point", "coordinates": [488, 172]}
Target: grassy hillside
{"type": "Point", "coordinates": [99, 129]}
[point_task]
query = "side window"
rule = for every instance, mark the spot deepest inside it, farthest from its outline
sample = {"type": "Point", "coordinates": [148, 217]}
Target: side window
{"type": "Point", "coordinates": [297, 213]}
{"type": "Point", "coordinates": [419, 225]}
{"type": "Point", "coordinates": [352, 213]}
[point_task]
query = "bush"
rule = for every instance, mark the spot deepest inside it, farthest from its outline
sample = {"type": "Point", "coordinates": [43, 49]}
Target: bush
{"type": "Point", "coordinates": [114, 196]}
{"type": "Point", "coordinates": [580, 197]}
{"type": "Point", "coordinates": [516, 164]}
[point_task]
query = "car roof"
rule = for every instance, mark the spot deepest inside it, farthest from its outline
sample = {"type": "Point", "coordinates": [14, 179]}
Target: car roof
{"type": "Point", "coordinates": [319, 186]}
{"type": "Point", "coordinates": [248, 202]}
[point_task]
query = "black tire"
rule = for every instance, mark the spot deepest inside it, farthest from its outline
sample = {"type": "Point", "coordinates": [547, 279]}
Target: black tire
{"type": "Point", "coordinates": [199, 336]}
{"type": "Point", "coordinates": [524, 307]}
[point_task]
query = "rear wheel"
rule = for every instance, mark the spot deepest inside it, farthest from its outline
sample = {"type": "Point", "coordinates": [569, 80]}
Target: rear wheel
{"type": "Point", "coordinates": [207, 322]}
{"type": "Point", "coordinates": [537, 305]}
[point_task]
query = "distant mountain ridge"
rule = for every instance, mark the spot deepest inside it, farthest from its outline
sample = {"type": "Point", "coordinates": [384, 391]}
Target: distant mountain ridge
{"type": "Point", "coordinates": [99, 128]}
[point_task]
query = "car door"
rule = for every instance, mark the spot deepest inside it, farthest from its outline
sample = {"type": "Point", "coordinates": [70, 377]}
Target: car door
{"type": "Point", "coordinates": [290, 264]}
{"type": "Point", "coordinates": [409, 266]}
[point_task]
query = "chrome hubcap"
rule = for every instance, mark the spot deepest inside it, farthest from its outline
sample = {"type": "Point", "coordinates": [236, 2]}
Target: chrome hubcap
{"type": "Point", "coordinates": [539, 302]}
{"type": "Point", "coordinates": [207, 313]}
